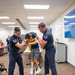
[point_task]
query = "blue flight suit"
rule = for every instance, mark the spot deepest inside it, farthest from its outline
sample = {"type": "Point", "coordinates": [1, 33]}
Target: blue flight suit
{"type": "Point", "coordinates": [14, 56]}
{"type": "Point", "coordinates": [49, 53]}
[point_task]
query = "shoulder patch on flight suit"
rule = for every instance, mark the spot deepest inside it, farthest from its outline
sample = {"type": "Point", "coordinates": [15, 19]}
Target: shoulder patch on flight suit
{"type": "Point", "coordinates": [15, 41]}
{"type": "Point", "coordinates": [45, 37]}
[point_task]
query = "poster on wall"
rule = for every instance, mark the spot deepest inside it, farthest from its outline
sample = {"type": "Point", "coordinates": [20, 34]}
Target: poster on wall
{"type": "Point", "coordinates": [69, 24]}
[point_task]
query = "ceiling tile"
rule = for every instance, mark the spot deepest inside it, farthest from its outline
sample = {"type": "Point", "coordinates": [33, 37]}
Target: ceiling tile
{"type": "Point", "coordinates": [44, 2]}
{"type": "Point", "coordinates": [18, 10]}
{"type": "Point", "coordinates": [17, 6]}
{"type": "Point", "coordinates": [59, 3]}
{"type": "Point", "coordinates": [4, 6]}
{"type": "Point", "coordinates": [36, 12]}
{"type": "Point", "coordinates": [14, 2]}
{"type": "Point", "coordinates": [6, 11]}
{"type": "Point", "coordinates": [56, 9]}
{"type": "Point", "coordinates": [3, 2]}
{"type": "Point", "coordinates": [29, 1]}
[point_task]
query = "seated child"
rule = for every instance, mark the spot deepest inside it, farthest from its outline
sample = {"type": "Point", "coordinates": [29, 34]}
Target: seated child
{"type": "Point", "coordinates": [1, 49]}
{"type": "Point", "coordinates": [34, 47]}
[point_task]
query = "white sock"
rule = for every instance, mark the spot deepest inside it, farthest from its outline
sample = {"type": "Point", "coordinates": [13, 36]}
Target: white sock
{"type": "Point", "coordinates": [38, 66]}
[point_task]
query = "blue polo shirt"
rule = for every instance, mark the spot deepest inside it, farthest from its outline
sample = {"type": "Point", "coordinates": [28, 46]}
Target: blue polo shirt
{"type": "Point", "coordinates": [14, 40]}
{"type": "Point", "coordinates": [47, 36]}
{"type": "Point", "coordinates": [34, 36]}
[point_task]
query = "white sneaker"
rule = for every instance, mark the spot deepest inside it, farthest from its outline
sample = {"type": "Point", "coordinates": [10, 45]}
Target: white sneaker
{"type": "Point", "coordinates": [31, 71]}
{"type": "Point", "coordinates": [38, 70]}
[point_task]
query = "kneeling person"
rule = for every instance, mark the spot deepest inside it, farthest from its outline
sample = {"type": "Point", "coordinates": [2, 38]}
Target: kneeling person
{"type": "Point", "coordinates": [34, 47]}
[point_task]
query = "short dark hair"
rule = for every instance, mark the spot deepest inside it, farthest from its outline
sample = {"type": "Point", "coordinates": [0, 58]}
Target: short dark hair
{"type": "Point", "coordinates": [41, 25]}
{"type": "Point", "coordinates": [17, 29]}
{"type": "Point", "coordinates": [28, 36]}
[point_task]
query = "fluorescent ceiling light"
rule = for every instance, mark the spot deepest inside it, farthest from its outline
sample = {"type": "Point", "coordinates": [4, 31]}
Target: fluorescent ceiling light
{"type": "Point", "coordinates": [33, 17]}
{"type": "Point", "coordinates": [34, 26]}
{"type": "Point", "coordinates": [34, 22]}
{"type": "Point", "coordinates": [69, 16]}
{"type": "Point", "coordinates": [8, 23]}
{"type": "Point", "coordinates": [13, 26]}
{"type": "Point", "coordinates": [1, 28]}
{"type": "Point", "coordinates": [4, 17]}
{"type": "Point", "coordinates": [36, 6]}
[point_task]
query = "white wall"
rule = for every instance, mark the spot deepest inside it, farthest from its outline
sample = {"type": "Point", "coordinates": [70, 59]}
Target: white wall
{"type": "Point", "coordinates": [59, 33]}
{"type": "Point", "coordinates": [5, 33]}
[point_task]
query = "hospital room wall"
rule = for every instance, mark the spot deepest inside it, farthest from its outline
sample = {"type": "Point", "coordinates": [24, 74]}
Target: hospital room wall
{"type": "Point", "coordinates": [5, 33]}
{"type": "Point", "coordinates": [58, 32]}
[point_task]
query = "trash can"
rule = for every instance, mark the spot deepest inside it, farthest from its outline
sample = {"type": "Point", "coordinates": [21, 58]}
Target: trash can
{"type": "Point", "coordinates": [61, 52]}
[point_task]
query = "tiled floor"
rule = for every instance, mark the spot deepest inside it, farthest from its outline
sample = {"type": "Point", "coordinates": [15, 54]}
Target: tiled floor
{"type": "Point", "coordinates": [62, 69]}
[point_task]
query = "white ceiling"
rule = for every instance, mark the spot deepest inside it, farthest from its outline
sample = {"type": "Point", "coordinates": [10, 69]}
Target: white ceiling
{"type": "Point", "coordinates": [15, 9]}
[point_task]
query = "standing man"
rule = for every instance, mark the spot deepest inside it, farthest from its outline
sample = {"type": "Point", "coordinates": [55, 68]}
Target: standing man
{"type": "Point", "coordinates": [7, 40]}
{"type": "Point", "coordinates": [47, 44]}
{"type": "Point", "coordinates": [14, 55]}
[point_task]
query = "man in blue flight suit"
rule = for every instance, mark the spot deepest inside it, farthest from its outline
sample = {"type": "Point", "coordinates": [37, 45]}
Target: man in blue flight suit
{"type": "Point", "coordinates": [47, 44]}
{"type": "Point", "coordinates": [14, 56]}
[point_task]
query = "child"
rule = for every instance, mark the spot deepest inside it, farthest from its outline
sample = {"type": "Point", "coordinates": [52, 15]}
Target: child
{"type": "Point", "coordinates": [34, 47]}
